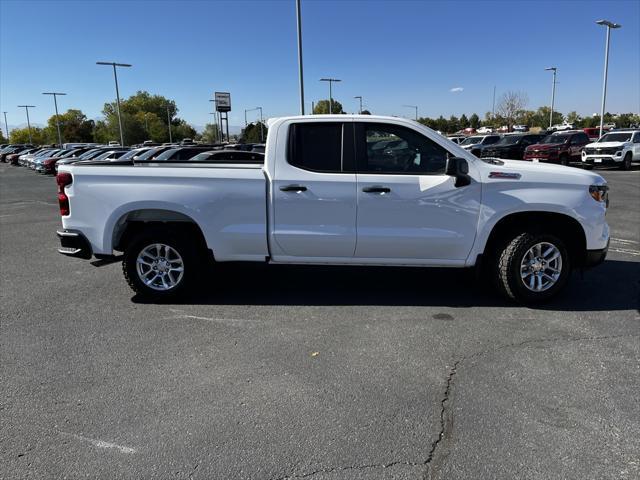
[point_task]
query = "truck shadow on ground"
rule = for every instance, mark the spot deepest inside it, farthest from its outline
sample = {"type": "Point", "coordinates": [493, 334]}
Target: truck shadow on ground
{"type": "Point", "coordinates": [614, 285]}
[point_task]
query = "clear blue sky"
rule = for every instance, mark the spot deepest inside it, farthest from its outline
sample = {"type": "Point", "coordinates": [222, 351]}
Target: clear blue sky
{"type": "Point", "coordinates": [391, 52]}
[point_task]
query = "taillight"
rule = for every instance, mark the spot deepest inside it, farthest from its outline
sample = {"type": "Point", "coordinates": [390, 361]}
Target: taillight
{"type": "Point", "coordinates": [63, 179]}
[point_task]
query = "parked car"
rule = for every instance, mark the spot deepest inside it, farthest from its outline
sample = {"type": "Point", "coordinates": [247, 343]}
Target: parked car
{"type": "Point", "coordinates": [153, 153]}
{"type": "Point", "coordinates": [38, 162]}
{"type": "Point", "coordinates": [30, 159]}
{"type": "Point", "coordinates": [457, 138]}
{"type": "Point", "coordinates": [325, 184]}
{"type": "Point", "coordinates": [477, 143]}
{"type": "Point", "coordinates": [88, 155]}
{"type": "Point", "coordinates": [259, 148]}
{"type": "Point", "coordinates": [13, 149]}
{"type": "Point", "coordinates": [512, 146]}
{"type": "Point", "coordinates": [559, 147]}
{"type": "Point", "coordinates": [520, 128]}
{"type": "Point", "coordinates": [179, 154]}
{"type": "Point", "coordinates": [13, 158]}
{"type": "Point", "coordinates": [614, 148]}
{"type": "Point", "coordinates": [559, 127]}
{"type": "Point", "coordinates": [469, 131]}
{"type": "Point", "coordinates": [594, 132]}
{"type": "Point", "coordinates": [485, 130]}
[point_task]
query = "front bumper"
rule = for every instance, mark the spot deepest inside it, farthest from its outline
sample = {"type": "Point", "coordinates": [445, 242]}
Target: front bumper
{"type": "Point", "coordinates": [74, 244]}
{"type": "Point", "coordinates": [594, 258]}
{"type": "Point", "coordinates": [601, 159]}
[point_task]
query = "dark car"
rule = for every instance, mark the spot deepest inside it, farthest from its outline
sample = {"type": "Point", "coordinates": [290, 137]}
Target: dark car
{"type": "Point", "coordinates": [512, 146]}
{"type": "Point", "coordinates": [229, 156]}
{"type": "Point", "coordinates": [12, 158]}
{"type": "Point", "coordinates": [561, 147]}
{"type": "Point", "coordinates": [181, 154]}
{"type": "Point", "coordinates": [13, 149]}
{"type": "Point", "coordinates": [88, 155]}
{"type": "Point", "coordinates": [152, 153]}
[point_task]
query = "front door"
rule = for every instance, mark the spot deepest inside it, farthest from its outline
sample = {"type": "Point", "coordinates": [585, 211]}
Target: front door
{"type": "Point", "coordinates": [407, 207]}
{"type": "Point", "coordinates": [314, 193]}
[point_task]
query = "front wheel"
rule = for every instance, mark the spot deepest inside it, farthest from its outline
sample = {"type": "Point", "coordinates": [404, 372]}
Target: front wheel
{"type": "Point", "coordinates": [533, 267]}
{"type": "Point", "coordinates": [159, 264]}
{"type": "Point", "coordinates": [564, 160]}
{"type": "Point", "coordinates": [626, 163]}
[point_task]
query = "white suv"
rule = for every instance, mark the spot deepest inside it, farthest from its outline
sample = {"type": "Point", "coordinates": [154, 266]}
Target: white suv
{"type": "Point", "coordinates": [618, 148]}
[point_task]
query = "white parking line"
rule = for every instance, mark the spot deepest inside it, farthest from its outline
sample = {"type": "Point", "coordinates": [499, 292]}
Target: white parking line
{"type": "Point", "coordinates": [101, 443]}
{"type": "Point", "coordinates": [623, 241]}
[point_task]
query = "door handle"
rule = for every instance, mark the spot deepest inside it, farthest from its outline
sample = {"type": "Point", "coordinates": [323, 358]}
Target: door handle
{"type": "Point", "coordinates": [376, 189]}
{"type": "Point", "coordinates": [293, 188]}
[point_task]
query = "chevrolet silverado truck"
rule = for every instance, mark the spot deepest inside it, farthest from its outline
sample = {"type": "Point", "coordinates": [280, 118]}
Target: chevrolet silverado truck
{"type": "Point", "coordinates": [339, 190]}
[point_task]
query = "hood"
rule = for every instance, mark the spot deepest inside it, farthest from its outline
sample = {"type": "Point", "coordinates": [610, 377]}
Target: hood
{"type": "Point", "coordinates": [606, 144]}
{"type": "Point", "coordinates": [545, 146]}
{"type": "Point", "coordinates": [544, 173]}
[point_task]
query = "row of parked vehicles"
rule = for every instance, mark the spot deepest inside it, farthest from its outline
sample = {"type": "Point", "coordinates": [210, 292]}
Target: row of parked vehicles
{"type": "Point", "coordinates": [618, 147]}
{"type": "Point", "coordinates": [48, 159]}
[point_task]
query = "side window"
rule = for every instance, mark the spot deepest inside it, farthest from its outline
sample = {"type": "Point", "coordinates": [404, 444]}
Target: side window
{"type": "Point", "coordinates": [396, 149]}
{"type": "Point", "coordinates": [316, 146]}
{"type": "Point", "coordinates": [636, 138]}
{"type": "Point", "coordinates": [528, 141]}
{"type": "Point", "coordinates": [491, 139]}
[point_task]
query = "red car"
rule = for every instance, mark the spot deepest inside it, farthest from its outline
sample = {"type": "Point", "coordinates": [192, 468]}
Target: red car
{"type": "Point", "coordinates": [561, 147]}
{"type": "Point", "coordinates": [594, 132]}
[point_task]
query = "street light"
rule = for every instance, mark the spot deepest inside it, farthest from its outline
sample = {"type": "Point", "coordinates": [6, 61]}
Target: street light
{"type": "Point", "coordinates": [218, 120]}
{"type": "Point", "coordinates": [360, 98]}
{"type": "Point", "coordinates": [413, 106]}
{"type": "Point", "coordinates": [553, 93]}
{"type": "Point", "coordinates": [299, 25]}
{"type": "Point", "coordinates": [115, 76]}
{"type": "Point", "coordinates": [330, 80]}
{"type": "Point", "coordinates": [609, 26]}
{"type": "Point", "coordinates": [26, 109]}
{"type": "Point", "coordinates": [6, 125]}
{"type": "Point", "coordinates": [55, 102]}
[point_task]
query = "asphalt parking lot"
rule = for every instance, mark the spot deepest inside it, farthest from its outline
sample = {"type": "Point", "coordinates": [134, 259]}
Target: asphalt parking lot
{"type": "Point", "coordinates": [321, 373]}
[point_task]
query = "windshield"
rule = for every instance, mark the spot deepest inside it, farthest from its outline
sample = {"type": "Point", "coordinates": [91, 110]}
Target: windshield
{"type": "Point", "coordinates": [616, 137]}
{"type": "Point", "coordinates": [472, 140]}
{"type": "Point", "coordinates": [167, 154]}
{"type": "Point", "coordinates": [132, 153]}
{"type": "Point", "coordinates": [201, 157]}
{"type": "Point", "coordinates": [509, 140]}
{"type": "Point", "coordinates": [556, 139]}
{"type": "Point", "coordinates": [150, 153]}
{"type": "Point", "coordinates": [90, 153]}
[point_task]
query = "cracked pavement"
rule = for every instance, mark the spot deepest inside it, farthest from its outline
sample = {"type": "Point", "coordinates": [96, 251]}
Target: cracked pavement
{"type": "Point", "coordinates": [320, 373]}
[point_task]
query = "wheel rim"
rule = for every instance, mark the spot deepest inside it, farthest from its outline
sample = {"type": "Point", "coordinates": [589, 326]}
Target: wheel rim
{"type": "Point", "coordinates": [541, 267]}
{"type": "Point", "coordinates": [160, 266]}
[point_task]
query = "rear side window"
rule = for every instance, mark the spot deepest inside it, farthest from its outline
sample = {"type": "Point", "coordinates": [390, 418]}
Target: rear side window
{"type": "Point", "coordinates": [316, 146]}
{"type": "Point", "coordinates": [491, 139]}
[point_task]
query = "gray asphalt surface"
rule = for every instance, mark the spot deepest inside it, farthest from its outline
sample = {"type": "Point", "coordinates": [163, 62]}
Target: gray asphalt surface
{"type": "Point", "coordinates": [322, 373]}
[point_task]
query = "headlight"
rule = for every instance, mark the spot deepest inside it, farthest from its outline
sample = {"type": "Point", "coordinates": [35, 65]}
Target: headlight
{"type": "Point", "coordinates": [618, 153]}
{"type": "Point", "coordinates": [600, 193]}
{"type": "Point", "coordinates": [584, 154]}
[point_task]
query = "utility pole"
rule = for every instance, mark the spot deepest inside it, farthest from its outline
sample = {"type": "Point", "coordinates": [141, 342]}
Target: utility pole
{"type": "Point", "coordinates": [413, 106]}
{"type": "Point", "coordinates": [6, 125]}
{"type": "Point", "coordinates": [55, 102]}
{"type": "Point", "coordinates": [115, 76]}
{"type": "Point", "coordinates": [359, 98]}
{"type": "Point", "coordinates": [553, 93]}
{"type": "Point", "coordinates": [330, 80]}
{"type": "Point", "coordinates": [493, 106]}
{"type": "Point", "coordinates": [609, 26]}
{"type": "Point", "coordinates": [169, 123]}
{"type": "Point", "coordinates": [26, 109]}
{"type": "Point", "coordinates": [299, 24]}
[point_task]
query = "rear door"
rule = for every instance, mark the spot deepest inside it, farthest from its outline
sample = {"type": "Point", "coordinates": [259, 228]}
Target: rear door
{"type": "Point", "coordinates": [409, 210]}
{"type": "Point", "coordinates": [314, 193]}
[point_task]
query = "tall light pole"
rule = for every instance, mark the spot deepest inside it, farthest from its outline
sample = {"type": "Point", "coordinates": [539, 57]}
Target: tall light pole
{"type": "Point", "coordinates": [6, 125]}
{"type": "Point", "coordinates": [330, 80]}
{"type": "Point", "coordinates": [553, 93]}
{"type": "Point", "coordinates": [115, 76]}
{"type": "Point", "coordinates": [169, 123]}
{"type": "Point", "coordinates": [413, 106]}
{"type": "Point", "coordinates": [609, 26]}
{"type": "Point", "coordinates": [26, 109]}
{"type": "Point", "coordinates": [493, 105]}
{"type": "Point", "coordinates": [299, 24]}
{"type": "Point", "coordinates": [359, 97]}
{"type": "Point", "coordinates": [55, 102]}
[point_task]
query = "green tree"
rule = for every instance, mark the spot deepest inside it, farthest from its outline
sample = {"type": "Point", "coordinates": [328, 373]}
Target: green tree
{"type": "Point", "coordinates": [182, 130]}
{"type": "Point", "coordinates": [464, 121]}
{"type": "Point", "coordinates": [3, 139]}
{"type": "Point", "coordinates": [252, 134]}
{"type": "Point", "coordinates": [323, 107]}
{"type": "Point", "coordinates": [21, 135]}
{"type": "Point", "coordinates": [210, 134]}
{"type": "Point", "coordinates": [474, 121]}
{"type": "Point", "coordinates": [573, 117]}
{"type": "Point", "coordinates": [74, 127]}
{"type": "Point", "coordinates": [453, 125]}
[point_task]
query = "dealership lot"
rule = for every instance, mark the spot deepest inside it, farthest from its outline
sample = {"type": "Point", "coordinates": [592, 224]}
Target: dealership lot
{"type": "Point", "coordinates": [324, 373]}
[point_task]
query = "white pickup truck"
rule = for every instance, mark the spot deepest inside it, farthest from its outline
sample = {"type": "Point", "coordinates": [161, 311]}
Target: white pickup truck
{"type": "Point", "coordinates": [340, 189]}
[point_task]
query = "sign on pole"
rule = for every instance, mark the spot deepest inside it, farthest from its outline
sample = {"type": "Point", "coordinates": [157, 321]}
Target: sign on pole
{"type": "Point", "coordinates": [223, 101]}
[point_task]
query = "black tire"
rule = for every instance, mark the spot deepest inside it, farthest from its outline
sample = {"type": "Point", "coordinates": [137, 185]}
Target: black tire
{"type": "Point", "coordinates": [507, 269]}
{"type": "Point", "coordinates": [626, 163]}
{"type": "Point", "coordinates": [180, 243]}
{"type": "Point", "coordinates": [564, 160]}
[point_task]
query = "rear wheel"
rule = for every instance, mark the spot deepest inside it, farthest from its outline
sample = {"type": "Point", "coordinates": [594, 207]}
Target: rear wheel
{"type": "Point", "coordinates": [626, 163]}
{"type": "Point", "coordinates": [533, 267]}
{"type": "Point", "coordinates": [160, 263]}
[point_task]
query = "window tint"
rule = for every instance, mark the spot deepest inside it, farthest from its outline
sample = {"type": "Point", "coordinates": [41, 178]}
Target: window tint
{"type": "Point", "coordinates": [396, 149]}
{"type": "Point", "coordinates": [316, 146]}
{"type": "Point", "coordinates": [491, 139]}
